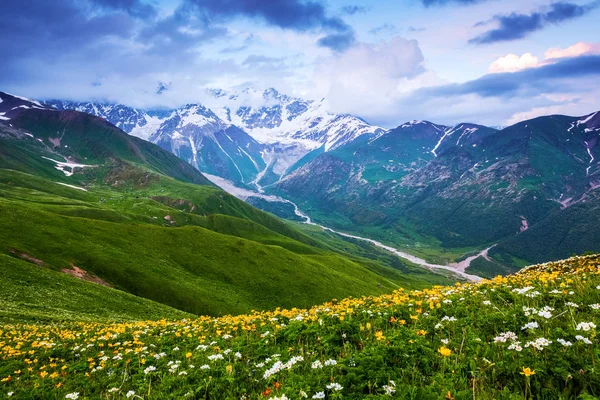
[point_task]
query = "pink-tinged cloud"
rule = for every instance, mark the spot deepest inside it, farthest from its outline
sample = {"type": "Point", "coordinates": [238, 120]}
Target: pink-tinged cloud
{"type": "Point", "coordinates": [575, 50]}
{"type": "Point", "coordinates": [514, 63]}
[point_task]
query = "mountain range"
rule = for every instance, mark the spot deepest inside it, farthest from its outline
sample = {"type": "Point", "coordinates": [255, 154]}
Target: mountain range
{"type": "Point", "coordinates": [250, 145]}
{"type": "Point", "coordinates": [528, 190]}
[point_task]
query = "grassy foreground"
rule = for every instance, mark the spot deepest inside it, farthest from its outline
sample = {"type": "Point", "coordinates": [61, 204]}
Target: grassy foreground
{"type": "Point", "coordinates": [529, 335]}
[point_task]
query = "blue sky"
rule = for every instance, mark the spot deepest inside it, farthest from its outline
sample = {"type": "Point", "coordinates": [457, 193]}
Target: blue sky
{"type": "Point", "coordinates": [493, 62]}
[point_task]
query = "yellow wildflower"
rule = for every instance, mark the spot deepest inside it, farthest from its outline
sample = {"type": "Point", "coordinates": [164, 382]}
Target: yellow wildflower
{"type": "Point", "coordinates": [444, 351]}
{"type": "Point", "coordinates": [528, 371]}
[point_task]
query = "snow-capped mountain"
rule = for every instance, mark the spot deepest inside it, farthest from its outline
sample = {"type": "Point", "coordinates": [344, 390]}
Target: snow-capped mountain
{"type": "Point", "coordinates": [249, 136]}
{"type": "Point", "coordinates": [195, 134]}
{"type": "Point", "coordinates": [285, 119]}
{"type": "Point", "coordinates": [11, 104]}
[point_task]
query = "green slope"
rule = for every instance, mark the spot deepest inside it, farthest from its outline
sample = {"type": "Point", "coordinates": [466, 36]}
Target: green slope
{"type": "Point", "coordinates": [93, 141]}
{"type": "Point", "coordinates": [31, 292]}
{"type": "Point", "coordinates": [187, 267]}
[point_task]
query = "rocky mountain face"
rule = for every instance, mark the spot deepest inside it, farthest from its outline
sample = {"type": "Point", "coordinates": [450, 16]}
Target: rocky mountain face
{"type": "Point", "coordinates": [466, 185]}
{"type": "Point", "coordinates": [249, 137]}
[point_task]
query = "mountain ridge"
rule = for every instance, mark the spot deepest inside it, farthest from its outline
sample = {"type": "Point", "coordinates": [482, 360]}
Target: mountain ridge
{"type": "Point", "coordinates": [463, 186]}
{"type": "Point", "coordinates": [281, 130]}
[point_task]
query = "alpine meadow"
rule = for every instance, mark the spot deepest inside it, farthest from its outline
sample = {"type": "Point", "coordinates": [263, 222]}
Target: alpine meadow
{"type": "Point", "coordinates": [299, 199]}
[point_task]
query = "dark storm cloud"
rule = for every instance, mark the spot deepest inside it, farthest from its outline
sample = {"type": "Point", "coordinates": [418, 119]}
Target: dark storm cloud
{"type": "Point", "coordinates": [296, 15]}
{"type": "Point", "coordinates": [338, 41]}
{"type": "Point", "coordinates": [516, 26]}
{"type": "Point", "coordinates": [39, 27]}
{"type": "Point", "coordinates": [91, 39]}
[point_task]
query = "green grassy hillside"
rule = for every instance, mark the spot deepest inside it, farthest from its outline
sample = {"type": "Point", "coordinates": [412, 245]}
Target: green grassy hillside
{"type": "Point", "coordinates": [125, 240]}
{"type": "Point", "coordinates": [33, 293]}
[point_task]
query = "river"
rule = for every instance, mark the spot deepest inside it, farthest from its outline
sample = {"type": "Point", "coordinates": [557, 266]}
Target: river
{"type": "Point", "coordinates": [456, 268]}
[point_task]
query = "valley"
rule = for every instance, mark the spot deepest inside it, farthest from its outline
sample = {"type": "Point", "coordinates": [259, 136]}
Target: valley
{"type": "Point", "coordinates": [124, 212]}
{"type": "Point", "coordinates": [245, 194]}
{"type": "Point", "coordinates": [443, 193]}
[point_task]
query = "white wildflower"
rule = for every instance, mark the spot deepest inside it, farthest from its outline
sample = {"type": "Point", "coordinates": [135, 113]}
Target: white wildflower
{"type": "Point", "coordinates": [583, 339]}
{"type": "Point", "coordinates": [334, 386]}
{"type": "Point", "coordinates": [390, 389]}
{"type": "Point", "coordinates": [149, 369]}
{"type": "Point", "coordinates": [214, 357]}
{"type": "Point", "coordinates": [530, 326]}
{"type": "Point", "coordinates": [515, 346]}
{"type": "Point", "coordinates": [564, 342]}
{"type": "Point", "coordinates": [586, 326]}
{"type": "Point", "coordinates": [539, 344]}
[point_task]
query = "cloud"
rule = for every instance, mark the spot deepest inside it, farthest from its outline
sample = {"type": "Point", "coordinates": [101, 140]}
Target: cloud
{"type": "Point", "coordinates": [512, 63]}
{"type": "Point", "coordinates": [352, 10]}
{"type": "Point", "coordinates": [338, 41]}
{"type": "Point", "coordinates": [136, 8]}
{"type": "Point", "coordinates": [247, 42]}
{"type": "Point", "coordinates": [105, 50]}
{"type": "Point", "coordinates": [573, 51]}
{"type": "Point", "coordinates": [365, 78]}
{"type": "Point", "coordinates": [430, 3]}
{"type": "Point", "coordinates": [516, 26]}
{"type": "Point", "coordinates": [544, 79]}
{"type": "Point", "coordinates": [297, 15]}
{"type": "Point", "coordinates": [395, 88]}
{"type": "Point", "coordinates": [38, 34]}
{"type": "Point", "coordinates": [384, 29]}
{"type": "Point", "coordinates": [255, 59]}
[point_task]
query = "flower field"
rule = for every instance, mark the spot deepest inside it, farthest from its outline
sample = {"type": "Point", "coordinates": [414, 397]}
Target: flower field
{"type": "Point", "coordinates": [529, 335]}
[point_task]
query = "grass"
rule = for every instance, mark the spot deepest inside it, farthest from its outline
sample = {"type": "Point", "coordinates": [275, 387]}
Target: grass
{"type": "Point", "coordinates": [532, 335]}
{"type": "Point", "coordinates": [401, 235]}
{"type": "Point", "coordinates": [198, 262]}
{"type": "Point", "coordinates": [488, 268]}
{"type": "Point", "coordinates": [33, 293]}
{"type": "Point", "coordinates": [412, 275]}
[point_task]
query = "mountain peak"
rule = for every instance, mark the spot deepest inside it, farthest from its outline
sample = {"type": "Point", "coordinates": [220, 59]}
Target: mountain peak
{"type": "Point", "coordinates": [11, 105]}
